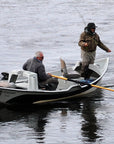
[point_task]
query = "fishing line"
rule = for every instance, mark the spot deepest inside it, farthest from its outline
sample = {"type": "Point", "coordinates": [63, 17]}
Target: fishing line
{"type": "Point", "coordinates": [83, 20]}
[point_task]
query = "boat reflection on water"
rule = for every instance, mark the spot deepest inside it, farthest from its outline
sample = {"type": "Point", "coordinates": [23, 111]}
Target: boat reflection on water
{"type": "Point", "coordinates": [38, 119]}
{"type": "Point", "coordinates": [90, 125]}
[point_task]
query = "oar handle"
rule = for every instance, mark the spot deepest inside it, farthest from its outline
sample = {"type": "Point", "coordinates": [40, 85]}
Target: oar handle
{"type": "Point", "coordinates": [76, 81]}
{"type": "Point", "coordinates": [60, 77]}
{"type": "Point", "coordinates": [85, 83]}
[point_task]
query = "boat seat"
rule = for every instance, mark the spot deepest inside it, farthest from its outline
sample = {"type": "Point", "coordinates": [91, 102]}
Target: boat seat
{"type": "Point", "coordinates": [13, 78]}
{"type": "Point", "coordinates": [68, 73]}
{"type": "Point", "coordinates": [11, 82]}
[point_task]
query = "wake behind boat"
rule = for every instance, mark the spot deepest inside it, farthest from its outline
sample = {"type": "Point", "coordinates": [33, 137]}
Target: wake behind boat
{"type": "Point", "coordinates": [21, 88]}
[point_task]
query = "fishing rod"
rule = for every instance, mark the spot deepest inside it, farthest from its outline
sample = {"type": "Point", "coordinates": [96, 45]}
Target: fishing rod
{"type": "Point", "coordinates": [83, 20]}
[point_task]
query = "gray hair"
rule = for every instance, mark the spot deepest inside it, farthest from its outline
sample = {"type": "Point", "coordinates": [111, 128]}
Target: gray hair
{"type": "Point", "coordinates": [38, 54]}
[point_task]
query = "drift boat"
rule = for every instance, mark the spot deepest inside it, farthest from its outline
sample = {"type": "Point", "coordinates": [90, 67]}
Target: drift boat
{"type": "Point", "coordinates": [21, 87]}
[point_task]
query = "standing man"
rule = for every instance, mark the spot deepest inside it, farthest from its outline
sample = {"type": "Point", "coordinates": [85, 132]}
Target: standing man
{"type": "Point", "coordinates": [88, 42]}
{"type": "Point", "coordinates": [45, 81]}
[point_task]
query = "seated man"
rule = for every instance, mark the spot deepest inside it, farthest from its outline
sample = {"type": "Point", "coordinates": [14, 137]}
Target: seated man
{"type": "Point", "coordinates": [45, 80]}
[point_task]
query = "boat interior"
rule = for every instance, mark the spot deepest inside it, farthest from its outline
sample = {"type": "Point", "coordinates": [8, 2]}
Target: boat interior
{"type": "Point", "coordinates": [20, 79]}
{"type": "Point", "coordinates": [74, 73]}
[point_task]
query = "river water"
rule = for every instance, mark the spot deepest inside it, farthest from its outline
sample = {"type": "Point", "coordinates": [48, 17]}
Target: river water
{"type": "Point", "coordinates": [54, 27]}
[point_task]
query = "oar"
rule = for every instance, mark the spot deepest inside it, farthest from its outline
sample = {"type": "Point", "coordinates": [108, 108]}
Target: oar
{"type": "Point", "coordinates": [85, 83]}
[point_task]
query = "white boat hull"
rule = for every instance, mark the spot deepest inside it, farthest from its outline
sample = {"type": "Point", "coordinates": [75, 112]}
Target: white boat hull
{"type": "Point", "coordinates": [65, 90]}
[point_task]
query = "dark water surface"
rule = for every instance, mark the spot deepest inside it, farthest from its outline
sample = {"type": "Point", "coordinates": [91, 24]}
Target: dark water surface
{"type": "Point", "coordinates": [54, 27]}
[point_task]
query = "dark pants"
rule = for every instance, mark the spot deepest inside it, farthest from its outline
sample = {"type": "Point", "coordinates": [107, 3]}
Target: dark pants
{"type": "Point", "coordinates": [49, 84]}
